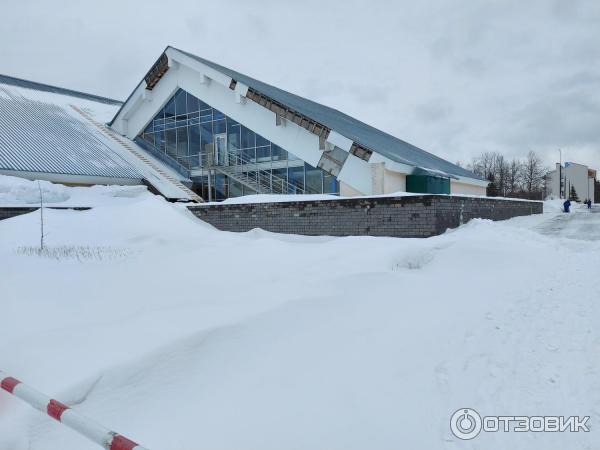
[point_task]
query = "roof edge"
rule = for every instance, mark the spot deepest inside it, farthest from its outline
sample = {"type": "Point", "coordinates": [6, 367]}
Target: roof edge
{"type": "Point", "coordinates": [28, 84]}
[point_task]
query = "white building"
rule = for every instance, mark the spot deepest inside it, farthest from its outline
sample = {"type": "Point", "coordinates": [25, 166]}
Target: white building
{"type": "Point", "coordinates": [571, 175]}
{"type": "Point", "coordinates": [192, 128]}
{"type": "Point", "coordinates": [237, 135]}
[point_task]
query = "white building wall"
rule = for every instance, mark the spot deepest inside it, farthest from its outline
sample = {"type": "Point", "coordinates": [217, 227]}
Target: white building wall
{"type": "Point", "coordinates": [348, 191]}
{"type": "Point", "coordinates": [394, 182]}
{"type": "Point", "coordinates": [457, 187]}
{"type": "Point", "coordinates": [577, 175]}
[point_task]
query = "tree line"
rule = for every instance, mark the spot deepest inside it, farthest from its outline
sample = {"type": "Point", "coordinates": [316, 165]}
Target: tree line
{"type": "Point", "coordinates": [517, 177]}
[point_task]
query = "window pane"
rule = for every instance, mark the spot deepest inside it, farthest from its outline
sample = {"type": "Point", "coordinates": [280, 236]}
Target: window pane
{"type": "Point", "coordinates": [206, 137]}
{"type": "Point", "coordinates": [219, 126]}
{"type": "Point", "coordinates": [218, 114]}
{"type": "Point", "coordinates": [249, 154]}
{"type": "Point", "coordinates": [330, 184]}
{"type": "Point", "coordinates": [296, 178]}
{"type": "Point", "coordinates": [235, 189]}
{"type": "Point", "coordinates": [248, 138]}
{"type": "Point", "coordinates": [233, 138]}
{"type": "Point", "coordinates": [180, 103]}
{"type": "Point", "coordinates": [170, 108]}
{"type": "Point", "coordinates": [194, 139]}
{"type": "Point", "coordinates": [231, 122]}
{"type": "Point", "coordinates": [171, 136]}
{"type": "Point", "coordinates": [261, 141]}
{"type": "Point", "coordinates": [279, 180]}
{"type": "Point", "coordinates": [220, 187]}
{"type": "Point", "coordinates": [159, 140]}
{"type": "Point", "coordinates": [278, 153]}
{"type": "Point", "coordinates": [314, 181]}
{"type": "Point", "coordinates": [192, 103]}
{"type": "Point", "coordinates": [182, 142]}
{"type": "Point", "coordinates": [202, 105]}
{"type": "Point", "coordinates": [263, 154]}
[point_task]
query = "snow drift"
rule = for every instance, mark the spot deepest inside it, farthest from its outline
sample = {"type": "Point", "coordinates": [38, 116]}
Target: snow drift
{"type": "Point", "coordinates": [206, 339]}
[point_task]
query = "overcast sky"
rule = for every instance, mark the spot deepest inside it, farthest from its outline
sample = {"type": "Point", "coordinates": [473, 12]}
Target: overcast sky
{"type": "Point", "coordinates": [455, 78]}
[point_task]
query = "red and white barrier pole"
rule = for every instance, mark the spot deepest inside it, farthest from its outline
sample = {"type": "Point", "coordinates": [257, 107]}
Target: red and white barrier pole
{"type": "Point", "coordinates": [67, 416]}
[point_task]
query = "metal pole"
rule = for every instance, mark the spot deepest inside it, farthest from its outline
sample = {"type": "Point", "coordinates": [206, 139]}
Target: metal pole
{"type": "Point", "coordinates": [58, 411]}
{"type": "Point", "coordinates": [560, 189]}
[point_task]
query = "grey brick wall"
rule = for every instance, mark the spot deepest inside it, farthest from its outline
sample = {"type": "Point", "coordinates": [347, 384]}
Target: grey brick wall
{"type": "Point", "coordinates": [412, 216]}
{"type": "Point", "coordinates": [8, 212]}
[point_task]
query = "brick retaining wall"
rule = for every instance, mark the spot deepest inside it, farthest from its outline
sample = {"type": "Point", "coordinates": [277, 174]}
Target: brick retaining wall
{"type": "Point", "coordinates": [410, 216]}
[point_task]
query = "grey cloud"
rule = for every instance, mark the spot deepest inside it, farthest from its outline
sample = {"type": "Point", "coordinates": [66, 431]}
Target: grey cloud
{"type": "Point", "coordinates": [456, 78]}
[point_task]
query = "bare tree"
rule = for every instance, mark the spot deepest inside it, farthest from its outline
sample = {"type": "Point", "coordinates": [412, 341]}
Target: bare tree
{"type": "Point", "coordinates": [533, 173]}
{"type": "Point", "coordinates": [513, 178]}
{"type": "Point", "coordinates": [500, 173]}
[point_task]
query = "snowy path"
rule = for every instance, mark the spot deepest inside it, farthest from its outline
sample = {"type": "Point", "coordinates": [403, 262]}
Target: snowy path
{"type": "Point", "coordinates": [580, 224]}
{"type": "Point", "coordinates": [262, 341]}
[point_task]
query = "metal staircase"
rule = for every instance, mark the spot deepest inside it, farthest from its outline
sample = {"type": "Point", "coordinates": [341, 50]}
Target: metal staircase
{"type": "Point", "coordinates": [160, 176]}
{"type": "Point", "coordinates": [248, 172]}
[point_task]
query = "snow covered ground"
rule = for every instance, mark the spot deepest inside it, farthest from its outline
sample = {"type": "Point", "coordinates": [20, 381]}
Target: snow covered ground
{"type": "Point", "coordinates": [185, 337]}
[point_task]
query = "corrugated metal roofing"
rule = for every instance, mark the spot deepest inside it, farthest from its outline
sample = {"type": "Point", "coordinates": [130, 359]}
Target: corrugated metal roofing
{"type": "Point", "coordinates": [38, 135]}
{"type": "Point", "coordinates": [12, 81]}
{"type": "Point", "coordinates": [366, 135]}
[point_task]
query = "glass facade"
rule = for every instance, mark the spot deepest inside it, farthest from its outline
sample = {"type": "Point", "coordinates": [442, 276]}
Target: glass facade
{"type": "Point", "coordinates": [187, 129]}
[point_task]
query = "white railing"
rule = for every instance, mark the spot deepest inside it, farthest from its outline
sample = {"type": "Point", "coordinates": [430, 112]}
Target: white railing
{"type": "Point", "coordinates": [248, 172]}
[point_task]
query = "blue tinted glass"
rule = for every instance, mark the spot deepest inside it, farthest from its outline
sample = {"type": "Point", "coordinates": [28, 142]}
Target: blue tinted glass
{"type": "Point", "coordinates": [170, 108]}
{"type": "Point", "coordinates": [159, 140]}
{"type": "Point", "coordinates": [296, 178]}
{"type": "Point", "coordinates": [171, 138]}
{"type": "Point", "coordinates": [182, 141]}
{"type": "Point", "coordinates": [330, 184]}
{"type": "Point", "coordinates": [248, 137]}
{"type": "Point", "coordinates": [260, 141]}
{"type": "Point", "coordinates": [314, 179]}
{"type": "Point", "coordinates": [148, 137]}
{"type": "Point", "coordinates": [219, 126]}
{"type": "Point", "coordinates": [263, 153]}
{"type": "Point", "coordinates": [180, 103]}
{"type": "Point", "coordinates": [278, 153]}
{"type": "Point", "coordinates": [206, 115]}
{"type": "Point", "coordinates": [249, 154]}
{"type": "Point", "coordinates": [192, 131]}
{"type": "Point", "coordinates": [233, 138]}
{"type": "Point", "coordinates": [192, 103]}
{"type": "Point", "coordinates": [220, 187]}
{"type": "Point", "coordinates": [202, 105]}
{"type": "Point", "coordinates": [194, 139]}
{"type": "Point", "coordinates": [207, 137]}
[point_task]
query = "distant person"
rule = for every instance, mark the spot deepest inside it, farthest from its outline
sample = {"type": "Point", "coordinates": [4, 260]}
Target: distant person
{"type": "Point", "coordinates": [589, 203]}
{"type": "Point", "coordinates": [567, 205]}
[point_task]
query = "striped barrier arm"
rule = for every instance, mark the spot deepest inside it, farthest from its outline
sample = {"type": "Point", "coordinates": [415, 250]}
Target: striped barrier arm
{"type": "Point", "coordinates": [67, 416]}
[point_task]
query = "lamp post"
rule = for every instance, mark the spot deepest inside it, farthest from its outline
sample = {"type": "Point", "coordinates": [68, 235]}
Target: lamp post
{"type": "Point", "coordinates": [560, 190]}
